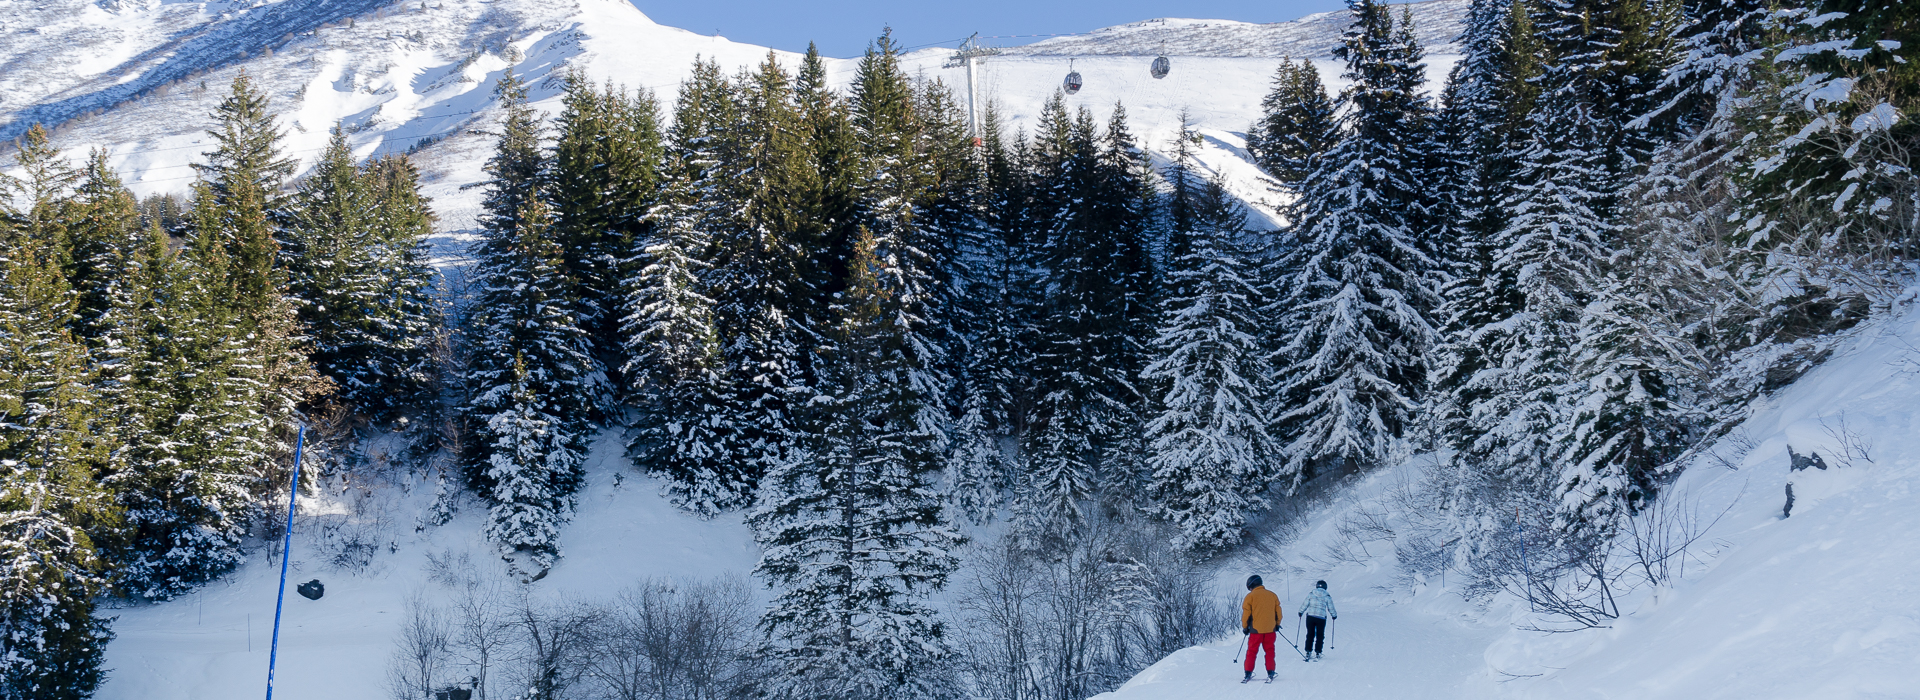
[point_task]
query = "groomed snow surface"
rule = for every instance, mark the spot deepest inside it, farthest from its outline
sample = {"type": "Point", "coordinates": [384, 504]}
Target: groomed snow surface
{"type": "Point", "coordinates": [1823, 604]}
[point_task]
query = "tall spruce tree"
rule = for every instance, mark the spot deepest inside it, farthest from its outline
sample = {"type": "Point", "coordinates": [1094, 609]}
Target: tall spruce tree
{"type": "Point", "coordinates": [105, 237]}
{"type": "Point", "coordinates": [997, 301]}
{"type": "Point", "coordinates": [1353, 297]}
{"type": "Point", "coordinates": [1551, 250]}
{"type": "Point", "coordinates": [1489, 97]}
{"type": "Point", "coordinates": [1092, 206]}
{"type": "Point", "coordinates": [1210, 453]}
{"type": "Point", "coordinates": [51, 504]}
{"type": "Point", "coordinates": [331, 277]}
{"type": "Point", "coordinates": [603, 176]}
{"type": "Point", "coordinates": [854, 534]}
{"type": "Point", "coordinates": [531, 363]}
{"type": "Point", "coordinates": [1296, 124]}
{"type": "Point", "coordinates": [405, 318]}
{"type": "Point", "coordinates": [673, 371]}
{"type": "Point", "coordinates": [761, 200]}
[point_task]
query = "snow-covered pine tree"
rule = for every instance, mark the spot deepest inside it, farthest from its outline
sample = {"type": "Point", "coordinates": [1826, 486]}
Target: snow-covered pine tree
{"type": "Point", "coordinates": [671, 341]}
{"type": "Point", "coordinates": [404, 319]}
{"type": "Point", "coordinates": [51, 505]}
{"type": "Point", "coordinates": [854, 533]}
{"type": "Point", "coordinates": [998, 302]}
{"type": "Point", "coordinates": [113, 277]}
{"type": "Point", "coordinates": [760, 200]}
{"type": "Point", "coordinates": [1352, 295]}
{"type": "Point", "coordinates": [104, 239]}
{"type": "Point", "coordinates": [1628, 417]}
{"type": "Point", "coordinates": [533, 465]}
{"type": "Point", "coordinates": [1296, 123]}
{"type": "Point", "coordinates": [1551, 249]}
{"type": "Point", "coordinates": [331, 276]}
{"type": "Point", "coordinates": [40, 210]}
{"type": "Point", "coordinates": [524, 307]}
{"type": "Point", "coordinates": [531, 411]}
{"type": "Point", "coordinates": [1126, 204]}
{"type": "Point", "coordinates": [1092, 209]}
{"type": "Point", "coordinates": [602, 178]}
{"type": "Point", "coordinates": [1070, 408]}
{"type": "Point", "coordinates": [244, 174]}
{"type": "Point", "coordinates": [834, 205]}
{"type": "Point", "coordinates": [1489, 96]}
{"type": "Point", "coordinates": [1210, 453]}
{"type": "Point", "coordinates": [527, 350]}
{"type": "Point", "coordinates": [240, 209]}
{"type": "Point", "coordinates": [671, 346]}
{"type": "Point", "coordinates": [195, 463]}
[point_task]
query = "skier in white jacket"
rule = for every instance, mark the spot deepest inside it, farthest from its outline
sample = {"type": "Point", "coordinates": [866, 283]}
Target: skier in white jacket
{"type": "Point", "coordinates": [1317, 610]}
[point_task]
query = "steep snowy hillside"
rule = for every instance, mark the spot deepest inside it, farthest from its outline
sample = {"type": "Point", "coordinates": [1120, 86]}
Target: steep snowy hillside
{"type": "Point", "coordinates": [1821, 604]}
{"type": "Point", "coordinates": [1436, 23]}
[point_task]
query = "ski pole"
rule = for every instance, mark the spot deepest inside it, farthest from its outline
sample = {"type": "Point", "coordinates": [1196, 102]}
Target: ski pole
{"type": "Point", "coordinates": [1243, 646]}
{"type": "Point", "coordinates": [1335, 634]}
{"type": "Point", "coordinates": [1296, 647]}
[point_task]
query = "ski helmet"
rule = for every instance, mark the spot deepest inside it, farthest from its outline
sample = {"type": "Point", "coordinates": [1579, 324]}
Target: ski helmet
{"type": "Point", "coordinates": [1319, 584]}
{"type": "Point", "coordinates": [1253, 582]}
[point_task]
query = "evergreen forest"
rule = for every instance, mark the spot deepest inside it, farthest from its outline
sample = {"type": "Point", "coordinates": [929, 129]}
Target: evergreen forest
{"type": "Point", "coordinates": [843, 315]}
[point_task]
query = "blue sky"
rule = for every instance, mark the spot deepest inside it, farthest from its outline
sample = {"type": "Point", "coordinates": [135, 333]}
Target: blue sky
{"type": "Point", "coordinates": [844, 27]}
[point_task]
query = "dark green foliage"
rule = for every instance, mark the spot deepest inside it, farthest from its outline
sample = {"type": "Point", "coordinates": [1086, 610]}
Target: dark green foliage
{"type": "Point", "coordinates": [1296, 124]}
{"type": "Point", "coordinates": [51, 501]}
{"type": "Point", "coordinates": [356, 275]}
{"type": "Point", "coordinates": [603, 177]}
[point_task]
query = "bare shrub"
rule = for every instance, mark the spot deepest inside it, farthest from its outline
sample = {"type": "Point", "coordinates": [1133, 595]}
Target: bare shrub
{"type": "Point", "coordinates": [675, 640]}
{"type": "Point", "coordinates": [422, 663]}
{"type": "Point", "coordinates": [554, 646]}
{"type": "Point", "coordinates": [1854, 446]}
{"type": "Point", "coordinates": [1081, 618]}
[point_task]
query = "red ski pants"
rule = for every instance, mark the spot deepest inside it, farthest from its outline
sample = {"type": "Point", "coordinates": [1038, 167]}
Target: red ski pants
{"type": "Point", "coordinates": [1256, 642]}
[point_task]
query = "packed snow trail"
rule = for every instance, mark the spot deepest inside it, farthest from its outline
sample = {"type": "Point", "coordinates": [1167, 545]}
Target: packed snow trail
{"type": "Point", "coordinates": [1379, 652]}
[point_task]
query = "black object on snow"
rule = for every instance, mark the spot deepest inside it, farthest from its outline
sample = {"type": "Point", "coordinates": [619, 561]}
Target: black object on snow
{"type": "Point", "coordinates": [453, 694]}
{"type": "Point", "coordinates": [311, 590]}
{"type": "Point", "coordinates": [1253, 581]}
{"type": "Point", "coordinates": [1799, 461]}
{"type": "Point", "coordinates": [1787, 512]}
{"type": "Point", "coordinates": [1161, 66]}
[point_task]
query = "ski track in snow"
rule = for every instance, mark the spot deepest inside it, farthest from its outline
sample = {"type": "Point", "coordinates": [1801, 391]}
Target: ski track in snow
{"type": "Point", "coordinates": [1390, 652]}
{"type": "Point", "coordinates": [1823, 604]}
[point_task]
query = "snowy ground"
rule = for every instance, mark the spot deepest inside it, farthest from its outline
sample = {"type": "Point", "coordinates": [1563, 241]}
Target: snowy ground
{"type": "Point", "coordinates": [1824, 604]}
{"type": "Point", "coordinates": [214, 644]}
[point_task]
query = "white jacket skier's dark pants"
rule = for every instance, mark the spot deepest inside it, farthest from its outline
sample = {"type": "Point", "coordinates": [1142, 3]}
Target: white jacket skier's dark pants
{"type": "Point", "coordinates": [1316, 634]}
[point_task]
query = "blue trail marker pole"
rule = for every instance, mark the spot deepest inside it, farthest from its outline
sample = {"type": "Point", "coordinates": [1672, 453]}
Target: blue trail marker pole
{"type": "Point", "coordinates": [286, 548]}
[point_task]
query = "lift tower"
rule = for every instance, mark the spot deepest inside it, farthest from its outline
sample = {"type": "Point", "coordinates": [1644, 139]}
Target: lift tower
{"type": "Point", "coordinates": [969, 54]}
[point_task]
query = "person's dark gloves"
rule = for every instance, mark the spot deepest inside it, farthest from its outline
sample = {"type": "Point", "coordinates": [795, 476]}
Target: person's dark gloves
{"type": "Point", "coordinates": [1336, 617]}
{"type": "Point", "coordinates": [1246, 630]}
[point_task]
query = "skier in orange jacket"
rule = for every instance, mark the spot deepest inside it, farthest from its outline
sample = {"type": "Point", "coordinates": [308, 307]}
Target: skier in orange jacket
{"type": "Point", "coordinates": [1260, 620]}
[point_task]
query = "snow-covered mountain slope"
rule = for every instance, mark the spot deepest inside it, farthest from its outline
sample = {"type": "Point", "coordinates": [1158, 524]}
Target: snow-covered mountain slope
{"type": "Point", "coordinates": [1822, 604]}
{"type": "Point", "coordinates": [1436, 23]}
{"type": "Point", "coordinates": [140, 78]}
